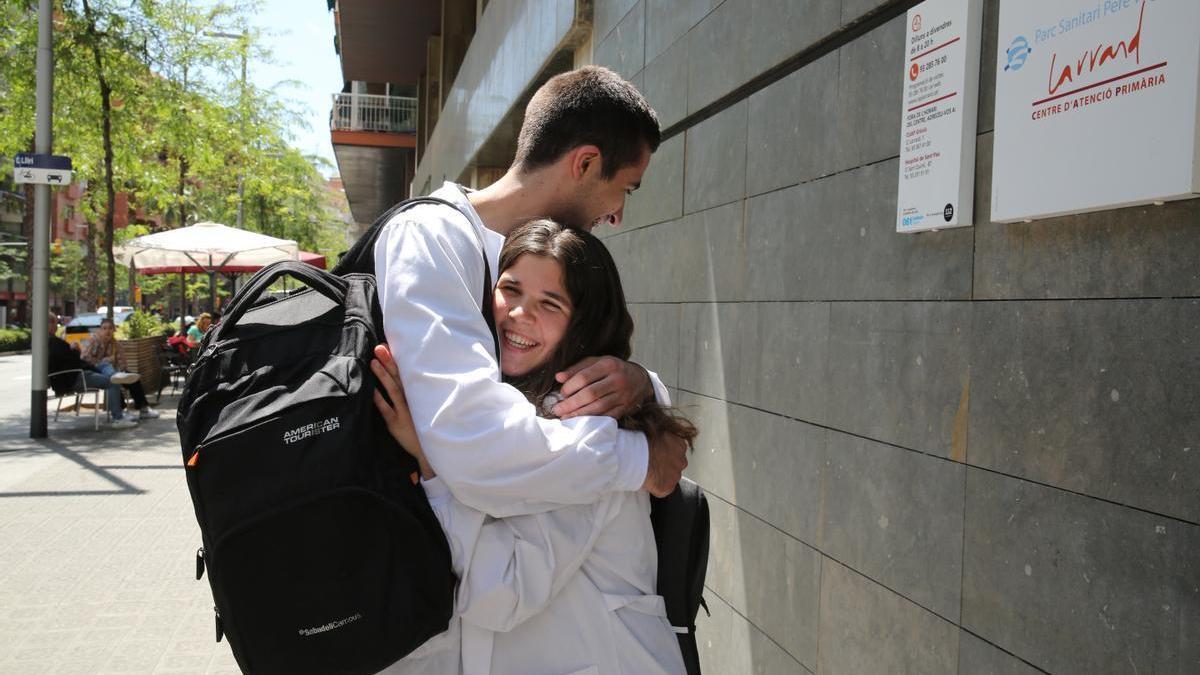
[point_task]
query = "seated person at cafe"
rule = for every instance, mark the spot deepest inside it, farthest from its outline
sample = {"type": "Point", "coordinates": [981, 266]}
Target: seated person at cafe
{"type": "Point", "coordinates": [179, 343]}
{"type": "Point", "coordinates": [102, 353]}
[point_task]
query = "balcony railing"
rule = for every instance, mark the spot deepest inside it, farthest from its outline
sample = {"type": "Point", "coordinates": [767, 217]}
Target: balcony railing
{"type": "Point", "coordinates": [372, 112]}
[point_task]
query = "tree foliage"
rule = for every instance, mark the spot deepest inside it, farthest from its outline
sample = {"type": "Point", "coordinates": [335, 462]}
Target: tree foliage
{"type": "Point", "coordinates": [183, 124]}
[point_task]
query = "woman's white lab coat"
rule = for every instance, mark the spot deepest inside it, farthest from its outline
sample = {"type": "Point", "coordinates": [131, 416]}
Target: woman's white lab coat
{"type": "Point", "coordinates": [571, 591]}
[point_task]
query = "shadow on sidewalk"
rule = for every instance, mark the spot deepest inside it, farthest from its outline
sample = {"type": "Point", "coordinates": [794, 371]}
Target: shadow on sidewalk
{"type": "Point", "coordinates": [75, 440]}
{"type": "Point", "coordinates": [122, 487]}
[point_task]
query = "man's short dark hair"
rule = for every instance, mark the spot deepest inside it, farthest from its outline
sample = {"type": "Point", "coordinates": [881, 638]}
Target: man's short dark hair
{"type": "Point", "coordinates": [108, 321]}
{"type": "Point", "coordinates": [587, 106]}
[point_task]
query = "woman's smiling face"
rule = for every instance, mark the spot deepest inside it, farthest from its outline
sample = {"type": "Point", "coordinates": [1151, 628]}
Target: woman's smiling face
{"type": "Point", "coordinates": [532, 310]}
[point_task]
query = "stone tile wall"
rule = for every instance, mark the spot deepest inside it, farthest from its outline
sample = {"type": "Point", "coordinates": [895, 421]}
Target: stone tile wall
{"type": "Point", "coordinates": [971, 451]}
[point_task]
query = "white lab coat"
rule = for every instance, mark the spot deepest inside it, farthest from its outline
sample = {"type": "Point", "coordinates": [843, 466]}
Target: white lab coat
{"type": "Point", "coordinates": [567, 591]}
{"type": "Point", "coordinates": [482, 437]}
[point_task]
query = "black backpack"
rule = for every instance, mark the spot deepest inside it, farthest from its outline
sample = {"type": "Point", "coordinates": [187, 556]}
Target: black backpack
{"type": "Point", "coordinates": [680, 522]}
{"type": "Point", "coordinates": [322, 551]}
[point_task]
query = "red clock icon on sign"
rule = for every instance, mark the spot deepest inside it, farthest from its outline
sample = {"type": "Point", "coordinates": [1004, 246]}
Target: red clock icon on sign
{"type": "Point", "coordinates": [916, 23]}
{"type": "Point", "coordinates": [913, 72]}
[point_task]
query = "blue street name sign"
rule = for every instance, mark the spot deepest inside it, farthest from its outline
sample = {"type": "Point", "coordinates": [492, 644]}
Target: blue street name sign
{"type": "Point", "coordinates": [29, 160]}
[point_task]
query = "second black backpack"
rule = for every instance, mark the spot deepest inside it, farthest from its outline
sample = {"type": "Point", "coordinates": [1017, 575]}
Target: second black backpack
{"type": "Point", "coordinates": [681, 526]}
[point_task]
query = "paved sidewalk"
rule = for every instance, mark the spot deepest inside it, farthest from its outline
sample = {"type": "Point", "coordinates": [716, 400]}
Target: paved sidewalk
{"type": "Point", "coordinates": [97, 548]}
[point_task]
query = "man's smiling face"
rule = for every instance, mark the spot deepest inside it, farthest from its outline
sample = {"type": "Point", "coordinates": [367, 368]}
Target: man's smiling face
{"type": "Point", "coordinates": [597, 200]}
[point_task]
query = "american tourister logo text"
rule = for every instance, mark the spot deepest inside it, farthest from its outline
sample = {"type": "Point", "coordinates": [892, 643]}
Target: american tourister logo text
{"type": "Point", "coordinates": [311, 429]}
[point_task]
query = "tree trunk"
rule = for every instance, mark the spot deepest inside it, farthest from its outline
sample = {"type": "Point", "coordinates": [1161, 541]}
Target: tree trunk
{"type": "Point", "coordinates": [106, 133]}
{"type": "Point", "coordinates": [133, 287]}
{"type": "Point", "coordinates": [183, 171]}
{"type": "Point", "coordinates": [183, 160]}
{"type": "Point", "coordinates": [91, 277]}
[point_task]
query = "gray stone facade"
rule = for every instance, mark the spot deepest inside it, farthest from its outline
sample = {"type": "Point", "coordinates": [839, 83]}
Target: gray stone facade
{"type": "Point", "coordinates": [969, 451]}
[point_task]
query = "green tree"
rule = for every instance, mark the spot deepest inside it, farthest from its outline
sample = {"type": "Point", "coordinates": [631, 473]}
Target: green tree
{"type": "Point", "coordinates": [196, 120]}
{"type": "Point", "coordinates": [150, 102]}
{"type": "Point", "coordinates": [99, 82]}
{"type": "Point", "coordinates": [68, 260]}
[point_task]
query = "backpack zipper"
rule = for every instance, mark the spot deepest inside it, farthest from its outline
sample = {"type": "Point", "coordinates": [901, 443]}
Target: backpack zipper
{"type": "Point", "coordinates": [194, 459]}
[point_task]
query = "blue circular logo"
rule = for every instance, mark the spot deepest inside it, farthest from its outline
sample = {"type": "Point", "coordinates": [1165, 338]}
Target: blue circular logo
{"type": "Point", "coordinates": [1018, 53]}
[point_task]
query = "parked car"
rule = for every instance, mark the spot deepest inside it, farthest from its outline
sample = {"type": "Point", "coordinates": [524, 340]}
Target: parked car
{"type": "Point", "coordinates": [81, 327]}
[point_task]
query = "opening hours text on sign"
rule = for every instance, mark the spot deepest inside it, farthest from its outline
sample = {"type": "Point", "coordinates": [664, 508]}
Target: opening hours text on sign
{"type": "Point", "coordinates": [1096, 106]}
{"type": "Point", "coordinates": [937, 130]}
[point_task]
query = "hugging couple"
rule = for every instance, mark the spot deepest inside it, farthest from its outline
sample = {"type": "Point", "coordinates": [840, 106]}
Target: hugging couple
{"type": "Point", "coordinates": [539, 467]}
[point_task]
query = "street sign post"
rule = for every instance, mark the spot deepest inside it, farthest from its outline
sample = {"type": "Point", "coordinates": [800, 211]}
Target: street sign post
{"type": "Point", "coordinates": [41, 169]}
{"type": "Point", "coordinates": [40, 288]}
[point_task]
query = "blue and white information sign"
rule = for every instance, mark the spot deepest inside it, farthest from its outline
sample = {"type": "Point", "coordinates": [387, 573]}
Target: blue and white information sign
{"type": "Point", "coordinates": [937, 127]}
{"type": "Point", "coordinates": [41, 169]}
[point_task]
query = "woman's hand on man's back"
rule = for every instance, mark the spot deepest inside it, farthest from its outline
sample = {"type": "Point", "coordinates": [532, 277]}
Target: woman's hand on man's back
{"type": "Point", "coordinates": [395, 413]}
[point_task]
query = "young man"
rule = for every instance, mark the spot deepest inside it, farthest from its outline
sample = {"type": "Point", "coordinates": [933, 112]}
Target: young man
{"type": "Point", "coordinates": [585, 142]}
{"type": "Point", "coordinates": [103, 354]}
{"type": "Point", "coordinates": [63, 357]}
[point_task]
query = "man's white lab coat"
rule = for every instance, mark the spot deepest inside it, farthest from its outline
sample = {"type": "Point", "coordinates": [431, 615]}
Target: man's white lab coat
{"type": "Point", "coordinates": [482, 437]}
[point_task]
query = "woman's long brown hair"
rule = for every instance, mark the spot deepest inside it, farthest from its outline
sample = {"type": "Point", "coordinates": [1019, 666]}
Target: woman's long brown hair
{"type": "Point", "coordinates": [600, 324]}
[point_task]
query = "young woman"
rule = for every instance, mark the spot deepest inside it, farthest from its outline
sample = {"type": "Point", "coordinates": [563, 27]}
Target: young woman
{"type": "Point", "coordinates": [573, 590]}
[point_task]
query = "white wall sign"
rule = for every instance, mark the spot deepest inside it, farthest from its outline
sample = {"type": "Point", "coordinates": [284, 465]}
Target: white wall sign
{"type": "Point", "coordinates": [1096, 105]}
{"type": "Point", "coordinates": [937, 131]}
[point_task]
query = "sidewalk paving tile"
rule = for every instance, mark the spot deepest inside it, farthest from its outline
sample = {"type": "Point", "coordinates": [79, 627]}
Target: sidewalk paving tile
{"type": "Point", "coordinates": [97, 548]}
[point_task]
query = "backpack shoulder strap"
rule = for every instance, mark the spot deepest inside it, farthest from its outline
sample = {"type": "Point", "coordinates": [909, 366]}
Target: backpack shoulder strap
{"type": "Point", "coordinates": [698, 556]}
{"type": "Point", "coordinates": [681, 529]}
{"type": "Point", "coordinates": [360, 258]}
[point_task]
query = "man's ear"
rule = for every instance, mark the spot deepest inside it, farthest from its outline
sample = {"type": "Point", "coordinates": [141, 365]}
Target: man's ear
{"type": "Point", "coordinates": [585, 159]}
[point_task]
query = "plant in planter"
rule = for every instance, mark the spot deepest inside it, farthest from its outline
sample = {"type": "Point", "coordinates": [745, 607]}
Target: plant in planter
{"type": "Point", "coordinates": [141, 337]}
{"type": "Point", "coordinates": [14, 339]}
{"type": "Point", "coordinates": [140, 325]}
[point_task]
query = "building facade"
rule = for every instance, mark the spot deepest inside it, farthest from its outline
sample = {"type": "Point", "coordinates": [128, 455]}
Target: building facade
{"type": "Point", "coordinates": [967, 451]}
{"type": "Point", "coordinates": [66, 224]}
